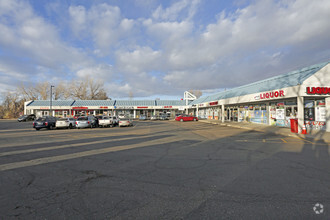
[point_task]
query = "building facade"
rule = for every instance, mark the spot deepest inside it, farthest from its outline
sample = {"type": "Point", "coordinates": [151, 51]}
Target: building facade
{"type": "Point", "coordinates": [302, 95]}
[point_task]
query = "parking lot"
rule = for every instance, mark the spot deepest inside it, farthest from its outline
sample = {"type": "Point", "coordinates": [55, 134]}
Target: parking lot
{"type": "Point", "coordinates": [160, 170]}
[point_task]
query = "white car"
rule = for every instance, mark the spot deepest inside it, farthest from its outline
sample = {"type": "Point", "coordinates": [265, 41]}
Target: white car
{"type": "Point", "coordinates": [125, 122]}
{"type": "Point", "coordinates": [121, 116]}
{"type": "Point", "coordinates": [105, 121]}
{"type": "Point", "coordinates": [65, 123]}
{"type": "Point", "coordinates": [115, 120]}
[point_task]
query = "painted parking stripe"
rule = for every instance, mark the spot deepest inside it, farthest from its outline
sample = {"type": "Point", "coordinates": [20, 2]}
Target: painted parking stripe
{"type": "Point", "coordinates": [46, 160]}
{"type": "Point", "coordinates": [66, 146]}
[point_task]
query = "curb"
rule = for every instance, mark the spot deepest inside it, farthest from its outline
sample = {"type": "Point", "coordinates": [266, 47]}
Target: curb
{"type": "Point", "coordinates": [275, 132]}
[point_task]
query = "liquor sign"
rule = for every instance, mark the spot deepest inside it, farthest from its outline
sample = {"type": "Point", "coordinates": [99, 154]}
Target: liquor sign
{"type": "Point", "coordinates": [268, 95]}
{"type": "Point", "coordinates": [79, 107]}
{"type": "Point", "coordinates": [318, 90]}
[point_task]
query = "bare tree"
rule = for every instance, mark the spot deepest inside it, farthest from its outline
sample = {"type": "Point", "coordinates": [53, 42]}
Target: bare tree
{"type": "Point", "coordinates": [42, 89]}
{"type": "Point", "coordinates": [12, 105]}
{"type": "Point", "coordinates": [27, 93]}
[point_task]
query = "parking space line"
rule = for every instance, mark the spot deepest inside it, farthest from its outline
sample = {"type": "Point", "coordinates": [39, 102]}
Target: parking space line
{"type": "Point", "coordinates": [284, 140]}
{"type": "Point", "coordinates": [46, 160]}
{"type": "Point", "coordinates": [65, 146]}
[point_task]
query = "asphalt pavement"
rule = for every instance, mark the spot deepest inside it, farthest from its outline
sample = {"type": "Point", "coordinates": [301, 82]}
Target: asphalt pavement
{"type": "Point", "coordinates": [161, 170]}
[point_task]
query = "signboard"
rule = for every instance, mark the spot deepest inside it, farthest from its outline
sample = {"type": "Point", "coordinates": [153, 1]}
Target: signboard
{"type": "Point", "coordinates": [213, 103]}
{"type": "Point", "coordinates": [44, 107]}
{"type": "Point", "coordinates": [181, 108]}
{"type": "Point", "coordinates": [318, 90]}
{"type": "Point", "coordinates": [103, 107]}
{"type": "Point", "coordinates": [167, 107]}
{"type": "Point", "coordinates": [79, 107]}
{"type": "Point", "coordinates": [280, 114]}
{"type": "Point", "coordinates": [268, 95]}
{"type": "Point", "coordinates": [143, 107]}
{"type": "Point", "coordinates": [320, 114]}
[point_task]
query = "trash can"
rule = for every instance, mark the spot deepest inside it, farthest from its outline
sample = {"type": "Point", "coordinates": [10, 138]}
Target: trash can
{"type": "Point", "coordinates": [294, 125]}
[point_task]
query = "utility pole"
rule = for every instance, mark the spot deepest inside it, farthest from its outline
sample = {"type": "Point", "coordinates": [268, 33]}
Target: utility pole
{"type": "Point", "coordinates": [51, 97]}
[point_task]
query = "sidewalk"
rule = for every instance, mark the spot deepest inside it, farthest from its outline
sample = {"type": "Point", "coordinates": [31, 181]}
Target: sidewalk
{"type": "Point", "coordinates": [315, 136]}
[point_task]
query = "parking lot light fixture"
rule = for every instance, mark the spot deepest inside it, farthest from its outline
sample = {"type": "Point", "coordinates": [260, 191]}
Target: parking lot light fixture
{"type": "Point", "coordinates": [51, 97]}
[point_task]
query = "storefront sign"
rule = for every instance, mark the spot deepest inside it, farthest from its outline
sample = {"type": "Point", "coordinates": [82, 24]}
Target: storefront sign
{"type": "Point", "coordinates": [280, 114]}
{"type": "Point", "coordinates": [44, 107]}
{"type": "Point", "coordinates": [103, 107]}
{"type": "Point", "coordinates": [269, 95]}
{"type": "Point", "coordinates": [167, 107]}
{"type": "Point", "coordinates": [201, 105]}
{"type": "Point", "coordinates": [79, 107]}
{"type": "Point", "coordinates": [320, 114]}
{"type": "Point", "coordinates": [142, 107]}
{"type": "Point", "coordinates": [213, 103]}
{"type": "Point", "coordinates": [318, 90]}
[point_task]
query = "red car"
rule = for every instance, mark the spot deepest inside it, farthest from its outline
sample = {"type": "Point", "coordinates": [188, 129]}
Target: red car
{"type": "Point", "coordinates": [186, 118]}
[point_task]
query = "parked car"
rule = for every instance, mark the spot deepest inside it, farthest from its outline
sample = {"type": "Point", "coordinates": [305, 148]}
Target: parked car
{"type": "Point", "coordinates": [48, 122]}
{"type": "Point", "coordinates": [105, 121]}
{"type": "Point", "coordinates": [86, 122]}
{"type": "Point", "coordinates": [163, 117]}
{"type": "Point", "coordinates": [30, 117]}
{"type": "Point", "coordinates": [125, 122]}
{"type": "Point", "coordinates": [79, 115]}
{"type": "Point", "coordinates": [184, 117]}
{"type": "Point", "coordinates": [121, 116]}
{"type": "Point", "coordinates": [115, 120]}
{"type": "Point", "coordinates": [66, 123]}
{"type": "Point", "coordinates": [154, 117]}
{"type": "Point", "coordinates": [143, 117]}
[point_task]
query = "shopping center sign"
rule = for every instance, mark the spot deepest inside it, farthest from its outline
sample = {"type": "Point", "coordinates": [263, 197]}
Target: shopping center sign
{"type": "Point", "coordinates": [318, 90]}
{"type": "Point", "coordinates": [270, 95]}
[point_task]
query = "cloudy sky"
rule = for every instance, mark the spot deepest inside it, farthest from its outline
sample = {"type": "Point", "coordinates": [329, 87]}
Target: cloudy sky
{"type": "Point", "coordinates": [159, 48]}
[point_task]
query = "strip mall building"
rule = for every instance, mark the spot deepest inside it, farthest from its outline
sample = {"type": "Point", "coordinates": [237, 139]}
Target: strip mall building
{"type": "Point", "coordinates": [303, 95]}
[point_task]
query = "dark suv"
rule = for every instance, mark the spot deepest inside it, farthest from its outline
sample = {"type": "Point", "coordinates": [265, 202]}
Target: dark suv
{"type": "Point", "coordinates": [48, 122]}
{"type": "Point", "coordinates": [26, 118]}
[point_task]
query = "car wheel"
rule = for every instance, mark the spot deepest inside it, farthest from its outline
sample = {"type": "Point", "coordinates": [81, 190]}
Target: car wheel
{"type": "Point", "coordinates": [37, 129]}
{"type": "Point", "coordinates": [194, 119]}
{"type": "Point", "coordinates": [181, 120]}
{"type": "Point", "coordinates": [50, 127]}
{"type": "Point", "coordinates": [70, 126]}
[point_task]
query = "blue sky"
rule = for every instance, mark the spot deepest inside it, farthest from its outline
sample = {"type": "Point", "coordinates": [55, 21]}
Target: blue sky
{"type": "Point", "coordinates": [154, 48]}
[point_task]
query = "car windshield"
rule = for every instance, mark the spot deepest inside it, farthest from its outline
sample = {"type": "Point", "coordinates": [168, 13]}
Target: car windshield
{"type": "Point", "coordinates": [82, 119]}
{"type": "Point", "coordinates": [62, 119]}
{"type": "Point", "coordinates": [23, 116]}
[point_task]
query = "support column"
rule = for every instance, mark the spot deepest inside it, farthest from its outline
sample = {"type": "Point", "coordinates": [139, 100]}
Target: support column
{"type": "Point", "coordinates": [197, 112]}
{"type": "Point", "coordinates": [222, 113]}
{"type": "Point", "coordinates": [134, 113]}
{"type": "Point", "coordinates": [327, 105]}
{"type": "Point", "coordinates": [300, 115]}
{"type": "Point", "coordinates": [268, 112]}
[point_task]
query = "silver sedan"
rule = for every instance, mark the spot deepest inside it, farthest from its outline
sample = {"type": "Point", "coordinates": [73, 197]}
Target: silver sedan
{"type": "Point", "coordinates": [125, 122]}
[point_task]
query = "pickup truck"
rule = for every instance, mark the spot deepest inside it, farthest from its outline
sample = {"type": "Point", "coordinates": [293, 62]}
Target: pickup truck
{"type": "Point", "coordinates": [115, 120]}
{"type": "Point", "coordinates": [106, 121]}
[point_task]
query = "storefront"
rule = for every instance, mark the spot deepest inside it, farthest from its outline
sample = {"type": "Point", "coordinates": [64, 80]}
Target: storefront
{"type": "Point", "coordinates": [300, 95]}
{"type": "Point", "coordinates": [303, 95]}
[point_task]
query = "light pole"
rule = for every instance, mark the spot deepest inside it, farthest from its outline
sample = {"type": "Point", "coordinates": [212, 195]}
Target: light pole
{"type": "Point", "coordinates": [51, 97]}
